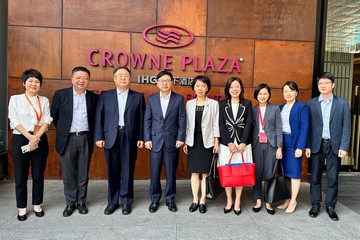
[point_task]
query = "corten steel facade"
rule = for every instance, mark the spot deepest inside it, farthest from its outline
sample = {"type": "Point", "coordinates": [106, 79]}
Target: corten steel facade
{"type": "Point", "coordinates": [275, 38]}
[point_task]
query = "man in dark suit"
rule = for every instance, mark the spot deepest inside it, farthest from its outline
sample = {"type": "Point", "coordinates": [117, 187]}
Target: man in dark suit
{"type": "Point", "coordinates": [164, 134]}
{"type": "Point", "coordinates": [73, 110]}
{"type": "Point", "coordinates": [329, 139]}
{"type": "Point", "coordinates": [119, 129]}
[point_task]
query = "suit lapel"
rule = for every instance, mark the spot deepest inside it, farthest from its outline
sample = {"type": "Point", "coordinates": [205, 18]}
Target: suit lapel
{"type": "Point", "coordinates": [129, 99]}
{"type": "Point", "coordinates": [318, 108]}
{"type": "Point", "coordinates": [257, 124]}
{"type": "Point", "coordinates": [114, 99]}
{"type": "Point", "coordinates": [170, 105]}
{"type": "Point", "coordinates": [228, 111]}
{"type": "Point", "coordinates": [333, 107]}
{"type": "Point", "coordinates": [206, 108]}
{"type": "Point", "coordinates": [70, 97]}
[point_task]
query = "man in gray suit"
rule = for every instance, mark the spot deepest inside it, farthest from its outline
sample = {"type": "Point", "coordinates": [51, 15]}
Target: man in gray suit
{"type": "Point", "coordinates": [329, 139]}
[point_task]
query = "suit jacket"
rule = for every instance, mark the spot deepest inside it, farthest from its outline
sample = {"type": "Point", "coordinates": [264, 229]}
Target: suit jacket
{"type": "Point", "coordinates": [239, 127]}
{"type": "Point", "coordinates": [165, 130]}
{"type": "Point", "coordinates": [340, 125]}
{"type": "Point", "coordinates": [107, 117]}
{"type": "Point", "coordinates": [62, 113]}
{"type": "Point", "coordinates": [299, 124]}
{"type": "Point", "coordinates": [272, 125]}
{"type": "Point", "coordinates": [209, 122]}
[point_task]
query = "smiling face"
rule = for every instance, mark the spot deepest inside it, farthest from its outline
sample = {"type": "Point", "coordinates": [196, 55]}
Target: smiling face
{"type": "Point", "coordinates": [289, 94]}
{"type": "Point", "coordinates": [200, 88]}
{"type": "Point", "coordinates": [263, 96]}
{"type": "Point", "coordinates": [122, 79]}
{"type": "Point", "coordinates": [80, 80]}
{"type": "Point", "coordinates": [325, 86]}
{"type": "Point", "coordinates": [32, 86]}
{"type": "Point", "coordinates": [235, 89]}
{"type": "Point", "coordinates": [164, 83]}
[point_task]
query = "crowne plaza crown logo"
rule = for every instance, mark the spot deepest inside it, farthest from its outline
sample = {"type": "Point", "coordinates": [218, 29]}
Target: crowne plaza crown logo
{"type": "Point", "coordinates": [168, 36]}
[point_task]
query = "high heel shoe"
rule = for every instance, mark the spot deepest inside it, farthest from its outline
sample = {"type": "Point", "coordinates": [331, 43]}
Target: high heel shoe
{"type": "Point", "coordinates": [226, 210]}
{"type": "Point", "coordinates": [237, 212]}
{"type": "Point", "coordinates": [257, 209]}
{"type": "Point", "coordinates": [291, 210]}
{"type": "Point", "coordinates": [284, 205]}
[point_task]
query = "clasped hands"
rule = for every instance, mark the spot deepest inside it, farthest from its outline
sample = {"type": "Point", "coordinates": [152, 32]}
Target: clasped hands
{"type": "Point", "coordinates": [33, 142]}
{"type": "Point", "coordinates": [240, 148]}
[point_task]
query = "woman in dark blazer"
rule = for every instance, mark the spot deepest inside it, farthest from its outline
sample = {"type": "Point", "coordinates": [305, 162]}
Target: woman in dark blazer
{"type": "Point", "coordinates": [267, 141]}
{"type": "Point", "coordinates": [202, 138]}
{"type": "Point", "coordinates": [235, 122]}
{"type": "Point", "coordinates": [29, 116]}
{"type": "Point", "coordinates": [295, 124]}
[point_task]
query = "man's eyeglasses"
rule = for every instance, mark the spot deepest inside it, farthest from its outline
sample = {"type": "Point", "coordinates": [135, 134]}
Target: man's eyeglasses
{"type": "Point", "coordinates": [81, 78]}
{"type": "Point", "coordinates": [123, 76]}
{"type": "Point", "coordinates": [164, 81]}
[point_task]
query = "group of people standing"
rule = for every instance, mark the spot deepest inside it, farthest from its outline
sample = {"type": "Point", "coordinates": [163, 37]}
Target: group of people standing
{"type": "Point", "coordinates": [120, 122]}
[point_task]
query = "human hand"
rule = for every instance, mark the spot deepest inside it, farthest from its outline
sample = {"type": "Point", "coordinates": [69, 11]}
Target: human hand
{"type": "Point", "coordinates": [216, 148]}
{"type": "Point", "coordinates": [185, 148]}
{"type": "Point", "coordinates": [342, 153]}
{"type": "Point", "coordinates": [148, 145]}
{"type": "Point", "coordinates": [298, 153]}
{"type": "Point", "coordinates": [100, 143]}
{"type": "Point", "coordinates": [307, 152]}
{"type": "Point", "coordinates": [179, 144]}
{"type": "Point", "coordinates": [279, 153]}
{"type": "Point", "coordinates": [140, 144]}
{"type": "Point", "coordinates": [232, 147]}
{"type": "Point", "coordinates": [241, 147]}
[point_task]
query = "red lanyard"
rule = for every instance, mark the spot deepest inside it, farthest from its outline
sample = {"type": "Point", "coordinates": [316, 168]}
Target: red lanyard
{"type": "Point", "coordinates": [38, 116]}
{"type": "Point", "coordinates": [261, 118]}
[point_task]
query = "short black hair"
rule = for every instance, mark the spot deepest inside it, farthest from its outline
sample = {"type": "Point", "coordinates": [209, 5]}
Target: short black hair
{"type": "Point", "coordinates": [203, 79]}
{"type": "Point", "coordinates": [32, 73]}
{"type": "Point", "coordinates": [118, 68]}
{"type": "Point", "coordinates": [327, 75]}
{"type": "Point", "coordinates": [292, 85]}
{"type": "Point", "coordinates": [80, 68]}
{"type": "Point", "coordinates": [164, 72]}
{"type": "Point", "coordinates": [259, 87]}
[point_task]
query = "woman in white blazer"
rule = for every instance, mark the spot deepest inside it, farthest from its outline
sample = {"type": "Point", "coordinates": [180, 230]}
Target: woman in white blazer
{"type": "Point", "coordinates": [202, 138]}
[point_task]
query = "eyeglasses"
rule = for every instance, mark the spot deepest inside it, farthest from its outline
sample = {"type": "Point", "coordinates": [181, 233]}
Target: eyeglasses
{"type": "Point", "coordinates": [81, 78]}
{"type": "Point", "coordinates": [123, 76]}
{"type": "Point", "coordinates": [325, 83]}
{"type": "Point", "coordinates": [164, 81]}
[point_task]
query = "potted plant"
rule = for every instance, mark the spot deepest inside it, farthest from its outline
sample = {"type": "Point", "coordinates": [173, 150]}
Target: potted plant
{"type": "Point", "coordinates": [3, 156]}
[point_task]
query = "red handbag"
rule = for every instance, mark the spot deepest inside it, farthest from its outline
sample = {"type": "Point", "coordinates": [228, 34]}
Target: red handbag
{"type": "Point", "coordinates": [237, 175]}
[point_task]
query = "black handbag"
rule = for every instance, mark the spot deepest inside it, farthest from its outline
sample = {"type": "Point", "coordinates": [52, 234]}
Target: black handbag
{"type": "Point", "coordinates": [278, 188]}
{"type": "Point", "coordinates": [213, 186]}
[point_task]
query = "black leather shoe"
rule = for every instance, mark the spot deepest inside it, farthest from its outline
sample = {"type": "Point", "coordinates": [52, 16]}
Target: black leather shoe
{"type": "Point", "coordinates": [69, 210]}
{"type": "Point", "coordinates": [332, 213]}
{"type": "Point", "coordinates": [39, 214]}
{"type": "Point", "coordinates": [270, 211]}
{"type": "Point", "coordinates": [237, 212]}
{"type": "Point", "coordinates": [314, 211]}
{"type": "Point", "coordinates": [126, 209]}
{"type": "Point", "coordinates": [228, 210]}
{"type": "Point", "coordinates": [82, 208]}
{"type": "Point", "coordinates": [256, 209]}
{"type": "Point", "coordinates": [202, 208]}
{"type": "Point", "coordinates": [193, 207]}
{"type": "Point", "coordinates": [22, 217]}
{"type": "Point", "coordinates": [153, 207]}
{"type": "Point", "coordinates": [171, 206]}
{"type": "Point", "coordinates": [111, 209]}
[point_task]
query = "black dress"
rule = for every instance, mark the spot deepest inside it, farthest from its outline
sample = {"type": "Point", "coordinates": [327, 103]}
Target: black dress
{"type": "Point", "coordinates": [199, 158]}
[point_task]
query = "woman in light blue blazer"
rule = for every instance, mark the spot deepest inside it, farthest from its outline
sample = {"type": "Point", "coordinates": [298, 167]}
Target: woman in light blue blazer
{"type": "Point", "coordinates": [267, 141]}
{"type": "Point", "coordinates": [295, 124]}
{"type": "Point", "coordinates": [202, 138]}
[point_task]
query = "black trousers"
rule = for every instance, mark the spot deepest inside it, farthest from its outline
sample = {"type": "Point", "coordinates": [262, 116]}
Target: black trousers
{"type": "Point", "coordinates": [332, 173]}
{"type": "Point", "coordinates": [22, 162]}
{"type": "Point", "coordinates": [75, 163]}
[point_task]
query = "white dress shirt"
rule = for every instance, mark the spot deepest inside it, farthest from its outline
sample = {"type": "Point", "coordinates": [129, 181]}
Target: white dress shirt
{"type": "Point", "coordinates": [80, 120]}
{"type": "Point", "coordinates": [285, 118]}
{"type": "Point", "coordinates": [164, 101]}
{"type": "Point", "coordinates": [22, 113]}
{"type": "Point", "coordinates": [122, 98]}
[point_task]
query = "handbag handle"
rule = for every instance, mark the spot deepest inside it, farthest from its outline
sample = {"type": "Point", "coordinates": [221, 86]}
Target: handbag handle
{"type": "Point", "coordinates": [275, 167]}
{"type": "Point", "coordinates": [242, 158]}
{"type": "Point", "coordinates": [213, 165]}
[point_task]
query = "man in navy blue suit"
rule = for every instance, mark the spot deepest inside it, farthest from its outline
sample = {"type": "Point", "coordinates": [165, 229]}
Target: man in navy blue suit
{"type": "Point", "coordinates": [164, 134]}
{"type": "Point", "coordinates": [119, 129]}
{"type": "Point", "coordinates": [329, 139]}
{"type": "Point", "coordinates": [73, 110]}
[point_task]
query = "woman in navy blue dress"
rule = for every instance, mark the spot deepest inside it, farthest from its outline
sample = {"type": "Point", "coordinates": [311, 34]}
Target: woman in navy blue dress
{"type": "Point", "coordinates": [295, 125]}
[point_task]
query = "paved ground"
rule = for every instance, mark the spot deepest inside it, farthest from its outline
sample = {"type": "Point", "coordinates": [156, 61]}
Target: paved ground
{"type": "Point", "coordinates": [141, 224]}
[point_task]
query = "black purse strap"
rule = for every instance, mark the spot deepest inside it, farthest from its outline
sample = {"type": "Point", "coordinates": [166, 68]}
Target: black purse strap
{"type": "Point", "coordinates": [213, 165]}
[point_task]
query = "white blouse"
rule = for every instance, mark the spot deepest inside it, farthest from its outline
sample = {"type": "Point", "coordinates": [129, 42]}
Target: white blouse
{"type": "Point", "coordinates": [21, 112]}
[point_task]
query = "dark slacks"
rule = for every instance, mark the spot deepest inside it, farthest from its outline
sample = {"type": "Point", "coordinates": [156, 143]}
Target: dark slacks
{"type": "Point", "coordinates": [75, 163]}
{"type": "Point", "coordinates": [332, 173]}
{"type": "Point", "coordinates": [22, 162]}
{"type": "Point", "coordinates": [170, 160]}
{"type": "Point", "coordinates": [264, 158]}
{"type": "Point", "coordinates": [121, 160]}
